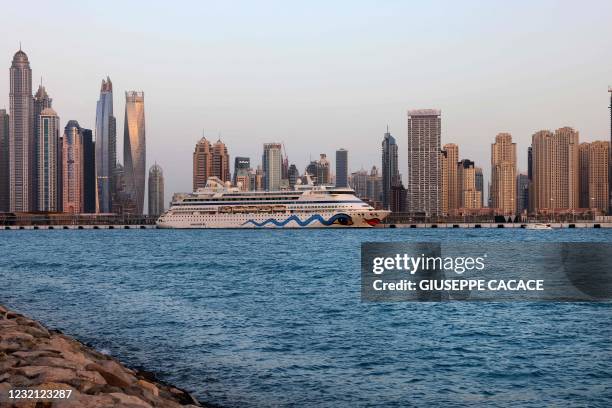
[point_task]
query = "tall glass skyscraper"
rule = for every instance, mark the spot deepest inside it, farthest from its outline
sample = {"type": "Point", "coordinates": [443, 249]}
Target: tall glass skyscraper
{"type": "Point", "coordinates": [21, 140]}
{"type": "Point", "coordinates": [134, 148]}
{"type": "Point", "coordinates": [156, 190]}
{"type": "Point", "coordinates": [341, 168]}
{"type": "Point", "coordinates": [41, 102]}
{"type": "Point", "coordinates": [390, 171]}
{"type": "Point", "coordinates": [48, 160]}
{"type": "Point", "coordinates": [106, 146]}
{"type": "Point", "coordinates": [90, 193]}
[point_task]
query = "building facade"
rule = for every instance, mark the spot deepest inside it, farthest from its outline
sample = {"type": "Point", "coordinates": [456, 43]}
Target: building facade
{"type": "Point", "coordinates": [322, 173]}
{"type": "Point", "coordinates": [466, 176]}
{"type": "Point", "coordinates": [134, 148]}
{"type": "Point", "coordinates": [555, 170]}
{"type": "Point", "coordinates": [398, 199]}
{"type": "Point", "coordinates": [390, 168]}
{"type": "Point", "coordinates": [72, 163]}
{"type": "Point", "coordinates": [41, 102]}
{"type": "Point", "coordinates": [220, 161]}
{"type": "Point", "coordinates": [21, 140]}
{"type": "Point", "coordinates": [4, 162]}
{"type": "Point", "coordinates": [423, 181]}
{"type": "Point", "coordinates": [106, 146]}
{"type": "Point", "coordinates": [522, 193]}
{"type": "Point", "coordinates": [610, 158]}
{"type": "Point", "coordinates": [503, 174]}
{"type": "Point", "coordinates": [341, 168]}
{"type": "Point", "coordinates": [202, 163]}
{"type": "Point", "coordinates": [271, 161]}
{"type": "Point", "coordinates": [293, 174]}
{"type": "Point", "coordinates": [90, 193]}
{"type": "Point", "coordinates": [359, 182]}
{"type": "Point", "coordinates": [594, 183]}
{"type": "Point", "coordinates": [156, 190]}
{"type": "Point", "coordinates": [49, 163]}
{"type": "Point", "coordinates": [374, 187]}
{"type": "Point", "coordinates": [242, 166]}
{"type": "Point", "coordinates": [449, 196]}
{"type": "Point", "coordinates": [480, 185]}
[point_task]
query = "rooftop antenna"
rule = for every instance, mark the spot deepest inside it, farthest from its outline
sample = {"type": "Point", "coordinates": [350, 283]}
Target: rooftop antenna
{"type": "Point", "coordinates": [387, 128]}
{"type": "Point", "coordinates": [19, 45]}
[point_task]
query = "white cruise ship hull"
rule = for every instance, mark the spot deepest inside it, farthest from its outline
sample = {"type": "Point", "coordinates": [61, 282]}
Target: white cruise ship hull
{"type": "Point", "coordinates": [365, 219]}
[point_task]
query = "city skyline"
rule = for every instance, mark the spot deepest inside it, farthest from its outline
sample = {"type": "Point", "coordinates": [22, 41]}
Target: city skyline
{"type": "Point", "coordinates": [514, 82]}
{"type": "Point", "coordinates": [429, 179]}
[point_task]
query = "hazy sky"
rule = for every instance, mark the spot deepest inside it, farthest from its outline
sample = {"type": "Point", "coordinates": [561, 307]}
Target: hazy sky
{"type": "Point", "coordinates": [321, 75]}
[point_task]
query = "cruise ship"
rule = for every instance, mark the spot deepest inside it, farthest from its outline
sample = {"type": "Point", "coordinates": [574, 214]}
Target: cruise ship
{"type": "Point", "coordinates": [220, 206]}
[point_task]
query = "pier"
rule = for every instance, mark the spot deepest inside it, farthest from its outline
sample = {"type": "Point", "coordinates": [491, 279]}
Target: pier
{"type": "Point", "coordinates": [554, 225]}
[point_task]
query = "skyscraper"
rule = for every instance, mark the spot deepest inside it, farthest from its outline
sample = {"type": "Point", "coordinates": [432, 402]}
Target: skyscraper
{"type": "Point", "coordinates": [4, 161]}
{"type": "Point", "coordinates": [72, 173]}
{"type": "Point", "coordinates": [41, 102]}
{"type": "Point", "coordinates": [48, 160]}
{"type": "Point", "coordinates": [322, 170]}
{"type": "Point", "coordinates": [134, 148]}
{"type": "Point", "coordinates": [583, 182]}
{"type": "Point", "coordinates": [398, 198]}
{"type": "Point", "coordinates": [156, 190]}
{"type": "Point", "coordinates": [374, 187]}
{"type": "Point", "coordinates": [242, 165]}
{"type": "Point", "coordinates": [610, 158]}
{"type": "Point", "coordinates": [470, 197]}
{"type": "Point", "coordinates": [90, 193]}
{"type": "Point", "coordinates": [503, 174]}
{"type": "Point", "coordinates": [555, 170]}
{"type": "Point", "coordinates": [424, 130]}
{"type": "Point", "coordinates": [21, 140]}
{"type": "Point", "coordinates": [220, 161]}
{"type": "Point", "coordinates": [530, 207]}
{"type": "Point", "coordinates": [480, 184]}
{"type": "Point", "coordinates": [390, 171]}
{"type": "Point", "coordinates": [106, 146]}
{"type": "Point", "coordinates": [272, 166]}
{"type": "Point", "coordinates": [359, 183]}
{"type": "Point", "coordinates": [202, 163]}
{"type": "Point", "coordinates": [522, 193]}
{"type": "Point", "coordinates": [293, 174]}
{"type": "Point", "coordinates": [449, 195]}
{"type": "Point", "coordinates": [593, 163]}
{"type": "Point", "coordinates": [341, 168]}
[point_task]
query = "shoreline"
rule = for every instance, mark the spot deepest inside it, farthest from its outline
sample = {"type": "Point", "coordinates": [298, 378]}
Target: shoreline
{"type": "Point", "coordinates": [421, 225]}
{"type": "Point", "coordinates": [34, 357]}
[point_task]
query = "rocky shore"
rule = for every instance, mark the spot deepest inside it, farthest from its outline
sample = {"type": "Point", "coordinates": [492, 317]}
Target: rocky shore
{"type": "Point", "coordinates": [33, 357]}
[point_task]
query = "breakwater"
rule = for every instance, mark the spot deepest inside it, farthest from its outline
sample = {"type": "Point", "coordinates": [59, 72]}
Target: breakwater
{"type": "Point", "coordinates": [44, 365]}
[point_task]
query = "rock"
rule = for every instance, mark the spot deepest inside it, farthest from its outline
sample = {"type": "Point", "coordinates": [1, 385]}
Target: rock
{"type": "Point", "coordinates": [112, 376]}
{"type": "Point", "coordinates": [32, 356]}
{"type": "Point", "coordinates": [151, 387]}
{"type": "Point", "coordinates": [27, 355]}
{"type": "Point", "coordinates": [54, 362]}
{"type": "Point", "coordinates": [129, 400]}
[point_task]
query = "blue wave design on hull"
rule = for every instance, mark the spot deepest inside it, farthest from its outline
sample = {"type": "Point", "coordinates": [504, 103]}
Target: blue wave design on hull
{"type": "Point", "coordinates": [343, 219]}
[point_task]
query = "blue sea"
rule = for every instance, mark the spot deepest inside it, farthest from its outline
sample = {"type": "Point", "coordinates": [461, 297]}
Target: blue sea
{"type": "Point", "coordinates": [252, 318]}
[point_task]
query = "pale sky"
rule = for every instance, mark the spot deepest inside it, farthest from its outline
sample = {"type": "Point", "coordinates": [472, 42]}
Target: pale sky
{"type": "Point", "coordinates": [321, 75]}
